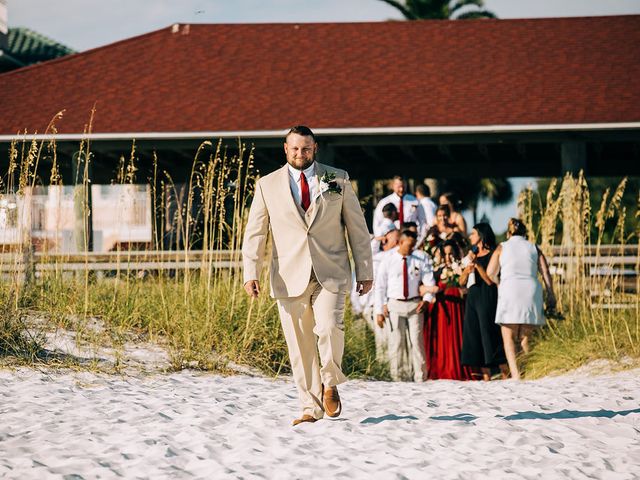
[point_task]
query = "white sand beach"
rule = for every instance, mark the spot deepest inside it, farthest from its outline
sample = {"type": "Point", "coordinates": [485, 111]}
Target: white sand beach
{"type": "Point", "coordinates": [190, 424]}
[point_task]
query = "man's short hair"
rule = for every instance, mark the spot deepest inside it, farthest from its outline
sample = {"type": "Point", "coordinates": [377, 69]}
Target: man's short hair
{"type": "Point", "coordinates": [388, 210]}
{"type": "Point", "coordinates": [408, 225]}
{"type": "Point", "coordinates": [423, 190]}
{"type": "Point", "coordinates": [398, 177]}
{"type": "Point", "coordinates": [409, 233]}
{"type": "Point", "coordinates": [300, 130]}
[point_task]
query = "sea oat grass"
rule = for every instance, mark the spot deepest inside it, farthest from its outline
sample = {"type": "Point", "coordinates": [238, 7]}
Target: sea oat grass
{"type": "Point", "coordinates": [204, 317]}
{"type": "Point", "coordinates": [602, 319]}
{"type": "Point", "coordinates": [202, 331]}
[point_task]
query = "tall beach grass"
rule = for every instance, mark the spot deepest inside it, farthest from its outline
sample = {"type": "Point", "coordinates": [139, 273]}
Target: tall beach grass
{"type": "Point", "coordinates": [201, 315]}
{"type": "Point", "coordinates": [602, 314]}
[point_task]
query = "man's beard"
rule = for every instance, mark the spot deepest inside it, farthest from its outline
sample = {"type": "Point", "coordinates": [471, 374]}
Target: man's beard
{"type": "Point", "coordinates": [306, 165]}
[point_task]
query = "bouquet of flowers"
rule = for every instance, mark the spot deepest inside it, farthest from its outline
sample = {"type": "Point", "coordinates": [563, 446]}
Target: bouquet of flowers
{"type": "Point", "coordinates": [434, 239]}
{"type": "Point", "coordinates": [450, 274]}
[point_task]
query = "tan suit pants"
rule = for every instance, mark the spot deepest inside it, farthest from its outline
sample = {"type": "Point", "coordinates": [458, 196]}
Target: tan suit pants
{"type": "Point", "coordinates": [406, 342]}
{"type": "Point", "coordinates": [313, 325]}
{"type": "Point", "coordinates": [381, 335]}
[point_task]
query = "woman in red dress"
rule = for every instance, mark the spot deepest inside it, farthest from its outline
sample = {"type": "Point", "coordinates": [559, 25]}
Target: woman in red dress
{"type": "Point", "coordinates": [443, 332]}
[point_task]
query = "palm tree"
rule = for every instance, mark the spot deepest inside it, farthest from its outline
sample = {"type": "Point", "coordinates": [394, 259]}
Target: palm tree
{"type": "Point", "coordinates": [471, 191]}
{"type": "Point", "coordinates": [441, 9]}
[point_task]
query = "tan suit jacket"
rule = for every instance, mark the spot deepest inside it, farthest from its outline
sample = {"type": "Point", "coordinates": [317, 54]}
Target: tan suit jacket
{"type": "Point", "coordinates": [301, 242]}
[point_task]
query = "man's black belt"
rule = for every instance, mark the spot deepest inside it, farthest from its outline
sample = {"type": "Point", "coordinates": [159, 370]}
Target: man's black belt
{"type": "Point", "coordinates": [412, 299]}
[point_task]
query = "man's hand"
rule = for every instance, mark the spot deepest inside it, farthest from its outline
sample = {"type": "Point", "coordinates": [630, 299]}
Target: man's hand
{"type": "Point", "coordinates": [252, 287]}
{"type": "Point", "coordinates": [363, 287]}
{"type": "Point", "coordinates": [385, 310]}
{"type": "Point", "coordinates": [420, 306]}
{"type": "Point", "coordinates": [380, 321]}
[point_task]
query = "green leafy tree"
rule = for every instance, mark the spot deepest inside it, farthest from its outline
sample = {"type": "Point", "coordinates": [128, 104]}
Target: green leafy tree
{"type": "Point", "coordinates": [441, 9]}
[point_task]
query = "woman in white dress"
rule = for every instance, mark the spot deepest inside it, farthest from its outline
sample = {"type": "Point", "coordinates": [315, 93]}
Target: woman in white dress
{"type": "Point", "coordinates": [519, 310]}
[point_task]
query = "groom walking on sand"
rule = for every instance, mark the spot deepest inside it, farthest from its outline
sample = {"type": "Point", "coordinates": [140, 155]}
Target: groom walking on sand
{"type": "Point", "coordinates": [310, 210]}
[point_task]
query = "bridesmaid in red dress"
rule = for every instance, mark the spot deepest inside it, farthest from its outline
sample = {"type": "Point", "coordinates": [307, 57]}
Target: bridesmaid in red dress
{"type": "Point", "coordinates": [443, 332]}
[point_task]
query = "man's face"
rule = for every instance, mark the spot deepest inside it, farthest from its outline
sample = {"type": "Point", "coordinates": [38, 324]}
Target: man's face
{"type": "Point", "coordinates": [300, 150]}
{"type": "Point", "coordinates": [398, 187]}
{"type": "Point", "coordinates": [406, 245]}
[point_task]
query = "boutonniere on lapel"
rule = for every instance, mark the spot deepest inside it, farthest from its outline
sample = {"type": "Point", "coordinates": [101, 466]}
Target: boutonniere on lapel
{"type": "Point", "coordinates": [328, 183]}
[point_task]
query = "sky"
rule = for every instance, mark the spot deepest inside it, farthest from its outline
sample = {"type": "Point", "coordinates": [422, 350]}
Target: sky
{"type": "Point", "coordinates": [86, 24]}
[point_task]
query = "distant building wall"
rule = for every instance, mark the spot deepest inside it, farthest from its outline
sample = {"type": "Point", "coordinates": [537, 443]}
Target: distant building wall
{"type": "Point", "coordinates": [121, 215]}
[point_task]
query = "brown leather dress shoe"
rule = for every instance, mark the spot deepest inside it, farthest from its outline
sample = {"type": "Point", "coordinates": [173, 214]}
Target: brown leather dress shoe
{"type": "Point", "coordinates": [303, 419]}
{"type": "Point", "coordinates": [331, 402]}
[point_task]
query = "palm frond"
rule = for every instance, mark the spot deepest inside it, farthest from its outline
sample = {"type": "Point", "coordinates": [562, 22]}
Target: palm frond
{"type": "Point", "coordinates": [476, 14]}
{"type": "Point", "coordinates": [460, 4]}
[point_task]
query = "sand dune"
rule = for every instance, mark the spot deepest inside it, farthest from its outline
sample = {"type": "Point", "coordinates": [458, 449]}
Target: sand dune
{"type": "Point", "coordinates": [195, 425]}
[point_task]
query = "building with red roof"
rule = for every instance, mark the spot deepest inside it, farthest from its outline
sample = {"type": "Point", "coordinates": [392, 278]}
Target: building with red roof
{"type": "Point", "coordinates": [427, 98]}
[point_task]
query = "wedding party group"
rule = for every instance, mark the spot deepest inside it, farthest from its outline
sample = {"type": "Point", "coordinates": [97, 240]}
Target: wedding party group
{"type": "Point", "coordinates": [442, 304]}
{"type": "Point", "coordinates": [448, 303]}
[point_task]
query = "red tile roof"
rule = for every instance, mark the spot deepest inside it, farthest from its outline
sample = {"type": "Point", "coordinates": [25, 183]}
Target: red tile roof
{"type": "Point", "coordinates": [248, 77]}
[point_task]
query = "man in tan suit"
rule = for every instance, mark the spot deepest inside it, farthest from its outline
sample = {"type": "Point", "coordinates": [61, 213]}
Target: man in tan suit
{"type": "Point", "coordinates": [310, 209]}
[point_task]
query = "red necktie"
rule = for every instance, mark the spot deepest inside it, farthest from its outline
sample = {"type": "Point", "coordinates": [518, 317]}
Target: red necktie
{"type": "Point", "coordinates": [401, 213]}
{"type": "Point", "coordinates": [304, 191]}
{"type": "Point", "coordinates": [405, 278]}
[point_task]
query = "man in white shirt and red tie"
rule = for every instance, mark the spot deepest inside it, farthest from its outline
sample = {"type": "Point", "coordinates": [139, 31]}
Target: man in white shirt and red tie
{"type": "Point", "coordinates": [409, 209]}
{"type": "Point", "coordinates": [397, 296]}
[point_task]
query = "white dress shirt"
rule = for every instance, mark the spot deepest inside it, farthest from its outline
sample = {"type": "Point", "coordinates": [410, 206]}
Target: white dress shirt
{"type": "Point", "coordinates": [389, 278]}
{"type": "Point", "coordinates": [294, 182]}
{"type": "Point", "coordinates": [413, 212]}
{"type": "Point", "coordinates": [429, 207]}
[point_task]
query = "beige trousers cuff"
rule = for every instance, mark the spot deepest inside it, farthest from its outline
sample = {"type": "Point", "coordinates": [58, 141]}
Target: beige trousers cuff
{"type": "Point", "coordinates": [313, 326]}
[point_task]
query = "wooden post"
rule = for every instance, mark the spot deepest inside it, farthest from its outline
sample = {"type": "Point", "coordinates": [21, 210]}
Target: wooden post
{"type": "Point", "coordinates": [326, 154]}
{"type": "Point", "coordinates": [365, 195]}
{"type": "Point", "coordinates": [25, 227]}
{"type": "Point", "coordinates": [573, 156]}
{"type": "Point", "coordinates": [82, 205]}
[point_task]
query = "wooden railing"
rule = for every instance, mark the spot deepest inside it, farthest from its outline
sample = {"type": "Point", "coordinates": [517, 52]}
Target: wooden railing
{"type": "Point", "coordinates": [124, 261]}
{"type": "Point", "coordinates": [622, 260]}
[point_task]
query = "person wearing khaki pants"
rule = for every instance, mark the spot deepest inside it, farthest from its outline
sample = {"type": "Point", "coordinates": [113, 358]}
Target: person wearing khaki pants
{"type": "Point", "coordinates": [310, 210]}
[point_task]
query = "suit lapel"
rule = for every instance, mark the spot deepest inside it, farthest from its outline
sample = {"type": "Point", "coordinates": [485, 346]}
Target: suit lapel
{"type": "Point", "coordinates": [290, 203]}
{"type": "Point", "coordinates": [316, 203]}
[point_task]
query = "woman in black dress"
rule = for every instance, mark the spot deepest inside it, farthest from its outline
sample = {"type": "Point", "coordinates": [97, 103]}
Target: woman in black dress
{"type": "Point", "coordinates": [481, 339]}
